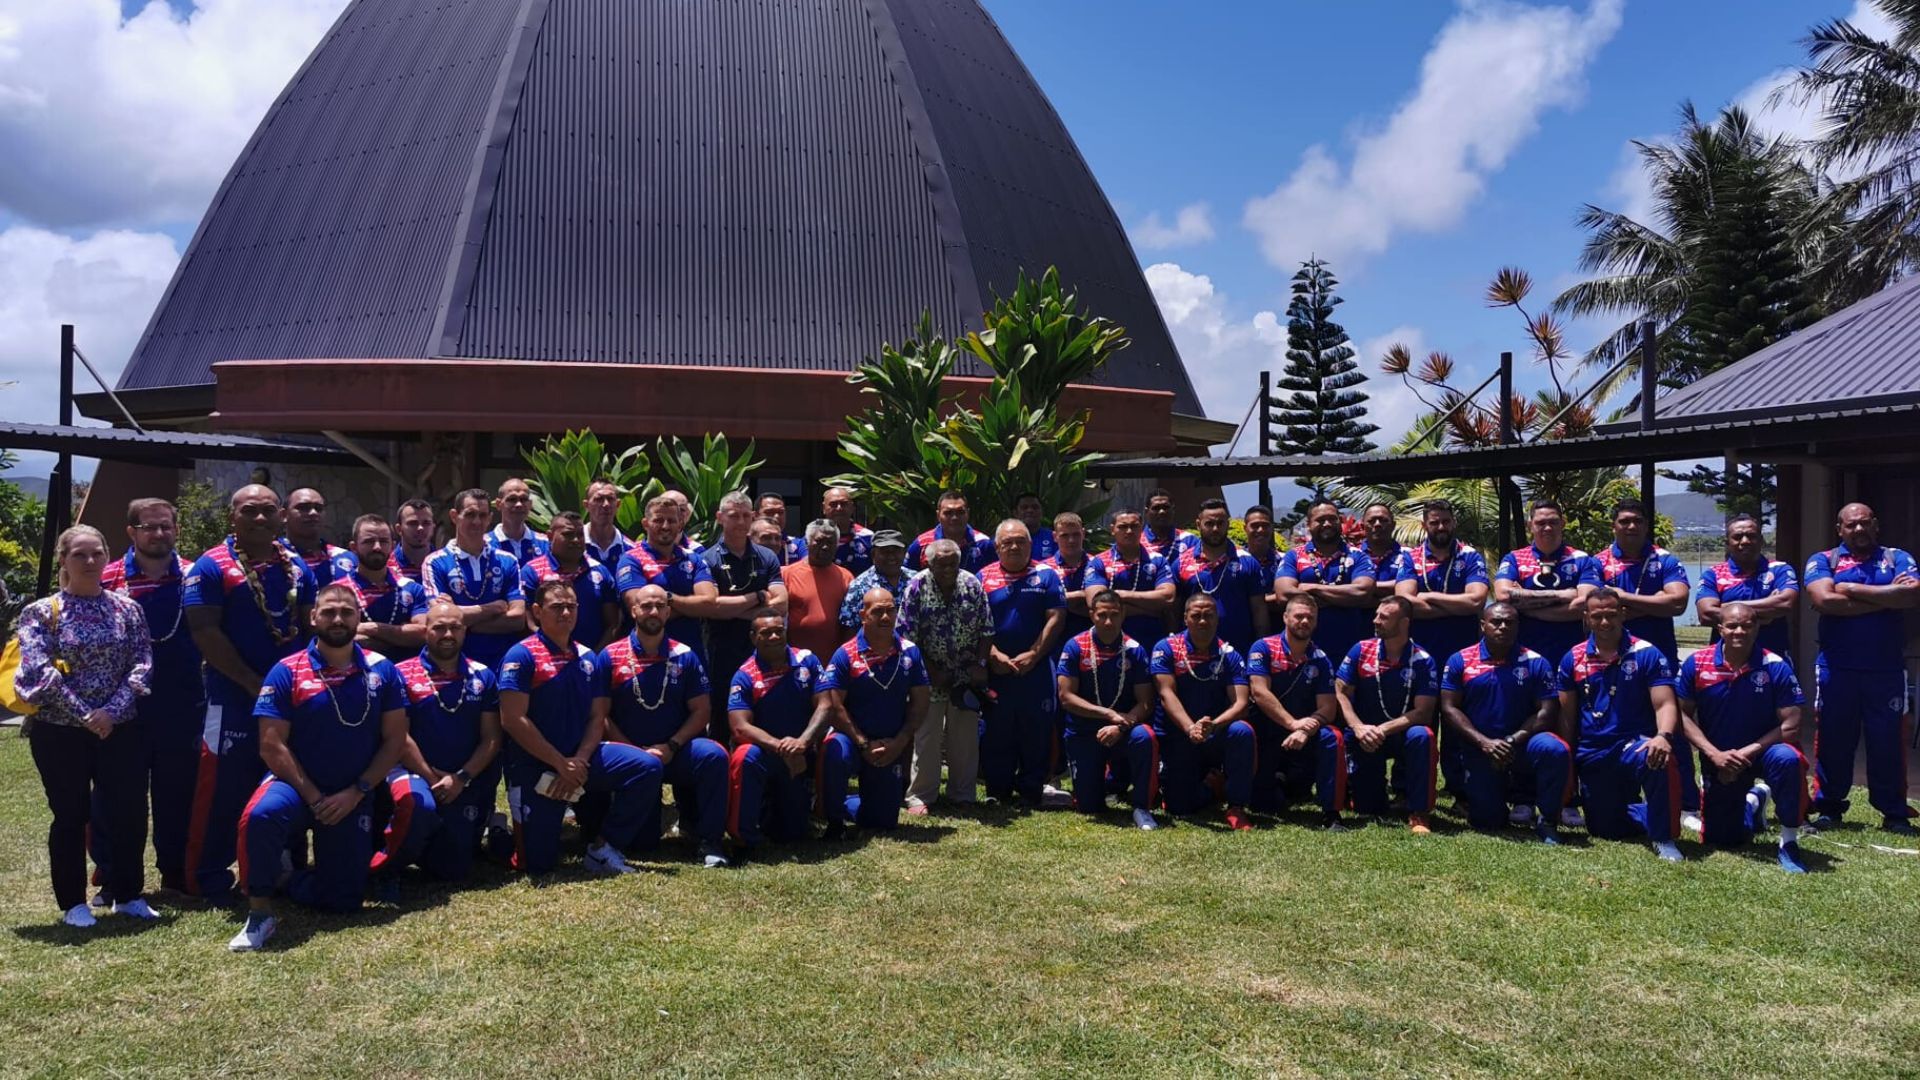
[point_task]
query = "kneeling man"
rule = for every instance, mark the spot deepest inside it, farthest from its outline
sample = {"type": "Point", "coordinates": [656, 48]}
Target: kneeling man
{"type": "Point", "coordinates": [1201, 723]}
{"type": "Point", "coordinates": [779, 714]}
{"type": "Point", "coordinates": [878, 686]}
{"type": "Point", "coordinates": [1107, 692]}
{"type": "Point", "coordinates": [1499, 701]}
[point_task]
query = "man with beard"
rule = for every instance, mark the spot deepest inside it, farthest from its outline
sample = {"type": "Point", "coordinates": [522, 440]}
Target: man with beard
{"type": "Point", "coordinates": [332, 726]}
{"type": "Point", "coordinates": [1382, 547]}
{"type": "Point", "coordinates": [1548, 582]}
{"type": "Point", "coordinates": [483, 581]}
{"type": "Point", "coordinates": [565, 559]}
{"type": "Point", "coordinates": [305, 520]}
{"type": "Point", "coordinates": [389, 603]}
{"type": "Point", "coordinates": [1386, 689]}
{"type": "Point", "coordinates": [1216, 566]}
{"type": "Point", "coordinates": [657, 559]}
{"type": "Point", "coordinates": [1498, 697]}
{"type": "Point", "coordinates": [1106, 690]}
{"type": "Point", "coordinates": [248, 602]}
{"type": "Point", "coordinates": [1201, 723]}
{"type": "Point", "coordinates": [514, 502]}
{"type": "Point", "coordinates": [1446, 583]}
{"type": "Point", "coordinates": [453, 744]}
{"type": "Point", "coordinates": [414, 522]}
{"type": "Point", "coordinates": [1299, 740]}
{"type": "Point", "coordinates": [1340, 579]}
{"type": "Point", "coordinates": [779, 714]}
{"type": "Point", "coordinates": [877, 685]}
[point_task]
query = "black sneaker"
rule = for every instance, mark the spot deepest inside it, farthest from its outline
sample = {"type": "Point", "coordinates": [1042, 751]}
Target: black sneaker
{"type": "Point", "coordinates": [836, 831]}
{"type": "Point", "coordinates": [1332, 823]}
{"type": "Point", "coordinates": [1900, 827]}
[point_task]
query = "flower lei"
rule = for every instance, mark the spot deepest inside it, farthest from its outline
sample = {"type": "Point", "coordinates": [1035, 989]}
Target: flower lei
{"type": "Point", "coordinates": [284, 559]}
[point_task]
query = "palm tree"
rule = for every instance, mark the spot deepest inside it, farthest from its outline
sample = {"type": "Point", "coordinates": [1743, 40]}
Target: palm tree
{"type": "Point", "coordinates": [1709, 176]}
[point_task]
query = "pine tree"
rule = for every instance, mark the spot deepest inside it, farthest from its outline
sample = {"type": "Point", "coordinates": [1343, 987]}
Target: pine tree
{"type": "Point", "coordinates": [1324, 414]}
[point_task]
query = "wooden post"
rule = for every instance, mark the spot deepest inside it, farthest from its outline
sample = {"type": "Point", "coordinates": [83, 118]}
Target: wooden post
{"type": "Point", "coordinates": [1648, 371]}
{"type": "Point", "coordinates": [1266, 433]}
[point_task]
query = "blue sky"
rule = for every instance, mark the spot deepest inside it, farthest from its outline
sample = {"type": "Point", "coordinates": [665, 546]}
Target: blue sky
{"type": "Point", "coordinates": [1419, 145]}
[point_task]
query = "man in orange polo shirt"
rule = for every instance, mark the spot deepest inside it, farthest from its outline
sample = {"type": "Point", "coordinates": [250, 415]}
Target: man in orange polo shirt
{"type": "Point", "coordinates": [816, 586]}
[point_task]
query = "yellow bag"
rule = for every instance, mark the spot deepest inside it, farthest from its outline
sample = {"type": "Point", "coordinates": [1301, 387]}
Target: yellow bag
{"type": "Point", "coordinates": [10, 667]}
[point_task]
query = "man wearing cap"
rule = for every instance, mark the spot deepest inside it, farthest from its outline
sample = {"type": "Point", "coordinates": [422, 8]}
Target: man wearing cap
{"type": "Point", "coordinates": [886, 570]}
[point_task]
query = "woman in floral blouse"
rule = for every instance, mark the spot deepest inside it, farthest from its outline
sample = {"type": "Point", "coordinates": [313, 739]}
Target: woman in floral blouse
{"type": "Point", "coordinates": [84, 659]}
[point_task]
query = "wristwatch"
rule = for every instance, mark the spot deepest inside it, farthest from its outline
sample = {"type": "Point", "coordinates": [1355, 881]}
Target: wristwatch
{"type": "Point", "coordinates": [364, 786]}
{"type": "Point", "coordinates": [461, 774]}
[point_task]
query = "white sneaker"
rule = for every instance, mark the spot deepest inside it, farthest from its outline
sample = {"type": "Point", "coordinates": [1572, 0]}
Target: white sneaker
{"type": "Point", "coordinates": [1758, 798]}
{"type": "Point", "coordinates": [712, 857]}
{"type": "Point", "coordinates": [1521, 815]}
{"type": "Point", "coordinates": [1143, 820]}
{"type": "Point", "coordinates": [1572, 818]}
{"type": "Point", "coordinates": [253, 936]}
{"type": "Point", "coordinates": [80, 916]}
{"type": "Point", "coordinates": [670, 821]}
{"type": "Point", "coordinates": [1053, 798]}
{"type": "Point", "coordinates": [136, 908]}
{"type": "Point", "coordinates": [1669, 852]}
{"type": "Point", "coordinates": [1690, 821]}
{"type": "Point", "coordinates": [603, 859]}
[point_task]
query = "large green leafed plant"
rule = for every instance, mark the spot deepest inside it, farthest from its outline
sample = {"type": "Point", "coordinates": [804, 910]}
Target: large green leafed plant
{"type": "Point", "coordinates": [563, 465]}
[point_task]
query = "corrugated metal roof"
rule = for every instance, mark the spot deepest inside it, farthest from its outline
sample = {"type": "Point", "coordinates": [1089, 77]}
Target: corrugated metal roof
{"type": "Point", "coordinates": [759, 183]}
{"type": "Point", "coordinates": [1864, 354]}
{"type": "Point", "coordinates": [126, 444]}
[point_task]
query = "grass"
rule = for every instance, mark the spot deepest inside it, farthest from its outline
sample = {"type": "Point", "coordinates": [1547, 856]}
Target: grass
{"type": "Point", "coordinates": [1013, 945]}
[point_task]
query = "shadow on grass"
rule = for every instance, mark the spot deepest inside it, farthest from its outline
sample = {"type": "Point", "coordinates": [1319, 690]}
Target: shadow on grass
{"type": "Point", "coordinates": [817, 850]}
{"type": "Point", "coordinates": [109, 928]}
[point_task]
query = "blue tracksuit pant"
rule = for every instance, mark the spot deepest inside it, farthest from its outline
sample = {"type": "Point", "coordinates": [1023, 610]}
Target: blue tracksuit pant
{"type": "Point", "coordinates": [1850, 705]}
{"type": "Point", "coordinates": [1132, 766]}
{"type": "Point", "coordinates": [698, 775]}
{"type": "Point", "coordinates": [1321, 765]}
{"type": "Point", "coordinates": [631, 775]}
{"type": "Point", "coordinates": [1541, 774]}
{"type": "Point", "coordinates": [1726, 819]}
{"type": "Point", "coordinates": [1614, 778]}
{"type": "Point", "coordinates": [336, 880]}
{"type": "Point", "coordinates": [1016, 733]}
{"type": "Point", "coordinates": [1418, 756]}
{"type": "Point", "coordinates": [877, 805]}
{"type": "Point", "coordinates": [1234, 751]}
{"type": "Point", "coordinates": [406, 817]}
{"type": "Point", "coordinates": [764, 796]}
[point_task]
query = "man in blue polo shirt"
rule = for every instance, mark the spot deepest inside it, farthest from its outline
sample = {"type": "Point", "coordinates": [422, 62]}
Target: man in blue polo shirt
{"type": "Point", "coordinates": [1258, 522]}
{"type": "Point", "coordinates": [248, 603]}
{"type": "Point", "coordinates": [1201, 723]}
{"type": "Point", "coordinates": [1029, 610]}
{"type": "Point", "coordinates": [605, 541]}
{"type": "Point", "coordinates": [1446, 582]}
{"type": "Point", "coordinates": [1161, 534]}
{"type": "Point", "coordinates": [553, 709]}
{"type": "Point", "coordinates": [565, 559]}
{"type": "Point", "coordinates": [1215, 565]}
{"type": "Point", "coordinates": [1301, 743]}
{"type": "Point", "coordinates": [513, 535]}
{"type": "Point", "coordinates": [1383, 548]}
{"type": "Point", "coordinates": [657, 559]}
{"type": "Point", "coordinates": [1143, 581]}
{"type": "Point", "coordinates": [413, 526]}
{"type": "Point", "coordinates": [856, 540]}
{"type": "Point", "coordinates": [976, 548]}
{"type": "Point", "coordinates": [305, 522]}
{"type": "Point", "coordinates": [779, 714]}
{"type": "Point", "coordinates": [1387, 688]}
{"type": "Point", "coordinates": [1617, 709]}
{"type": "Point", "coordinates": [332, 726]}
{"type": "Point", "coordinates": [389, 603]}
{"type": "Point", "coordinates": [746, 578]}
{"type": "Point", "coordinates": [1338, 577]}
{"type": "Point", "coordinates": [1079, 573]}
{"type": "Point", "coordinates": [1106, 690]}
{"type": "Point", "coordinates": [660, 700]}
{"type": "Point", "coordinates": [792, 549]}
{"type": "Point", "coordinates": [1499, 699]}
{"type": "Point", "coordinates": [1032, 513]}
{"type": "Point", "coordinates": [483, 581]}
{"type": "Point", "coordinates": [1741, 707]}
{"type": "Point", "coordinates": [878, 686]}
{"type": "Point", "coordinates": [1862, 591]}
{"type": "Point", "coordinates": [1546, 581]}
{"type": "Point", "coordinates": [1769, 588]}
{"type": "Point", "coordinates": [453, 744]}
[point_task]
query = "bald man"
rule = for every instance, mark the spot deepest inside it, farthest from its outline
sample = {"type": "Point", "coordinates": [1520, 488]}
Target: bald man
{"type": "Point", "coordinates": [305, 521]}
{"type": "Point", "coordinates": [879, 690]}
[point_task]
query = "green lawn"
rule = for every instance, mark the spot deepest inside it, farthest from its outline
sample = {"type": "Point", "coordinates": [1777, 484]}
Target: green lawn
{"type": "Point", "coordinates": [1009, 946]}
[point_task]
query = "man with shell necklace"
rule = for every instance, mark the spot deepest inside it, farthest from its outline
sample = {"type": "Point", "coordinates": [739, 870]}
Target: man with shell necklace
{"type": "Point", "coordinates": [1141, 579]}
{"type": "Point", "coordinates": [779, 714]}
{"type": "Point", "coordinates": [878, 686]}
{"type": "Point", "coordinates": [1387, 688]}
{"type": "Point", "coordinates": [1300, 741]}
{"type": "Point", "coordinates": [484, 581]}
{"type": "Point", "coordinates": [1106, 691]}
{"type": "Point", "coordinates": [248, 600]}
{"type": "Point", "coordinates": [1201, 723]}
{"type": "Point", "coordinates": [332, 722]}
{"type": "Point", "coordinates": [453, 747]}
{"type": "Point", "coordinates": [1339, 578]}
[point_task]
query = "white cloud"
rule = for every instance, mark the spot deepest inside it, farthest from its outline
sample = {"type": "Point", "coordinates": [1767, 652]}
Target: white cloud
{"type": "Point", "coordinates": [1193, 224]}
{"type": "Point", "coordinates": [1494, 70]}
{"type": "Point", "coordinates": [106, 284]}
{"type": "Point", "coordinates": [111, 121]}
{"type": "Point", "coordinates": [1225, 353]}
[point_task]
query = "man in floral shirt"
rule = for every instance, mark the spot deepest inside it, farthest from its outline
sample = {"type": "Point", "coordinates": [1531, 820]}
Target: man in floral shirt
{"type": "Point", "coordinates": [944, 611]}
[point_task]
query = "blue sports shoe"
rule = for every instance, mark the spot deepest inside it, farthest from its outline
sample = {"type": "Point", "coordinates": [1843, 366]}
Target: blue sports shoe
{"type": "Point", "coordinates": [1790, 860]}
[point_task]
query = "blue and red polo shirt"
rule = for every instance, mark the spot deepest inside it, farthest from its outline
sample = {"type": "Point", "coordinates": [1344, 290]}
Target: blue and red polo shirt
{"type": "Point", "coordinates": [1499, 697]}
{"type": "Point", "coordinates": [444, 707]}
{"type": "Point", "coordinates": [531, 545]}
{"type": "Point", "coordinates": [329, 564]}
{"type": "Point", "coordinates": [561, 683]}
{"type": "Point", "coordinates": [1298, 678]}
{"type": "Point", "coordinates": [1044, 545]}
{"type": "Point", "coordinates": [176, 659]}
{"type": "Point", "coordinates": [1167, 547]}
{"type": "Point", "coordinates": [470, 581]}
{"type": "Point", "coordinates": [1144, 574]}
{"type": "Point", "coordinates": [391, 601]}
{"type": "Point", "coordinates": [1203, 679]}
{"type": "Point", "coordinates": [1384, 687]}
{"type": "Point", "coordinates": [1080, 577]}
{"type": "Point", "coordinates": [1534, 570]}
{"type": "Point", "coordinates": [1616, 697]}
{"type": "Point", "coordinates": [1340, 627]}
{"type": "Point", "coordinates": [217, 579]}
{"type": "Point", "coordinates": [781, 701]}
{"type": "Point", "coordinates": [592, 586]}
{"type": "Point", "coordinates": [1448, 576]}
{"type": "Point", "coordinates": [677, 573]}
{"type": "Point", "coordinates": [876, 685]}
{"type": "Point", "coordinates": [1871, 642]}
{"type": "Point", "coordinates": [1647, 575]}
{"type": "Point", "coordinates": [1233, 580]}
{"type": "Point", "coordinates": [651, 691]}
{"type": "Point", "coordinates": [976, 548]}
{"type": "Point", "coordinates": [1737, 706]}
{"type": "Point", "coordinates": [1020, 603]}
{"type": "Point", "coordinates": [855, 551]}
{"type": "Point", "coordinates": [1725, 583]}
{"type": "Point", "coordinates": [1105, 675]}
{"type": "Point", "coordinates": [333, 715]}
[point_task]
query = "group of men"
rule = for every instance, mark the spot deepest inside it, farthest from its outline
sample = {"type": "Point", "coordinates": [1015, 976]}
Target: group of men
{"type": "Point", "coordinates": [842, 673]}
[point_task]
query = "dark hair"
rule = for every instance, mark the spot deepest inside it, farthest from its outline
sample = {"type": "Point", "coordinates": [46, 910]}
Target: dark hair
{"type": "Point", "coordinates": [598, 480]}
{"type": "Point", "coordinates": [1604, 592]}
{"type": "Point", "coordinates": [414, 504]}
{"type": "Point", "coordinates": [774, 495]}
{"type": "Point", "coordinates": [1301, 598]}
{"type": "Point", "coordinates": [1102, 596]}
{"type": "Point", "coordinates": [1212, 504]}
{"type": "Point", "coordinates": [1258, 508]}
{"type": "Point", "coordinates": [1508, 604]}
{"type": "Point", "coordinates": [1034, 495]}
{"type": "Point", "coordinates": [337, 588]}
{"type": "Point", "coordinates": [1318, 503]}
{"type": "Point", "coordinates": [551, 587]}
{"type": "Point", "coordinates": [141, 506]}
{"type": "Point", "coordinates": [1159, 493]}
{"type": "Point", "coordinates": [1628, 506]}
{"type": "Point", "coordinates": [1377, 502]}
{"type": "Point", "coordinates": [463, 498]}
{"type": "Point", "coordinates": [1544, 504]}
{"type": "Point", "coordinates": [1196, 597]}
{"type": "Point", "coordinates": [566, 517]}
{"type": "Point", "coordinates": [950, 495]}
{"type": "Point", "coordinates": [1398, 601]}
{"type": "Point", "coordinates": [1431, 505]}
{"type": "Point", "coordinates": [1739, 519]}
{"type": "Point", "coordinates": [1126, 511]}
{"type": "Point", "coordinates": [353, 534]}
